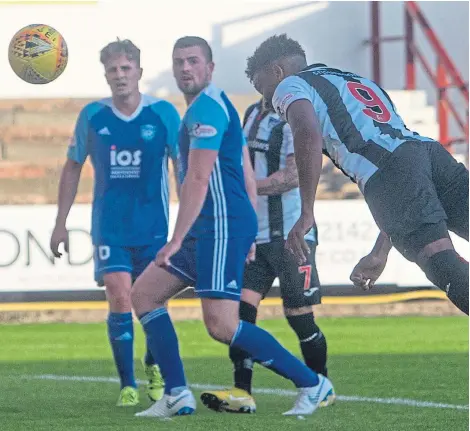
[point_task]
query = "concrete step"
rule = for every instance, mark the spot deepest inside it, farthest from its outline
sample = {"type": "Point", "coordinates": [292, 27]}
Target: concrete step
{"type": "Point", "coordinates": [406, 99]}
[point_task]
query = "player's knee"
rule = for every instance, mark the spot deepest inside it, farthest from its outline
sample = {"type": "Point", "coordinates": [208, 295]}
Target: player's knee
{"type": "Point", "coordinates": [425, 241]}
{"type": "Point", "coordinates": [137, 299]}
{"type": "Point", "coordinates": [118, 291]}
{"type": "Point", "coordinates": [431, 248]}
{"type": "Point", "coordinates": [296, 311]}
{"type": "Point", "coordinates": [251, 297]}
{"type": "Point", "coordinates": [221, 331]}
{"type": "Point", "coordinates": [119, 300]}
{"type": "Point", "coordinates": [248, 312]}
{"type": "Point", "coordinates": [221, 327]}
{"type": "Point", "coordinates": [142, 299]}
{"type": "Point", "coordinates": [449, 271]}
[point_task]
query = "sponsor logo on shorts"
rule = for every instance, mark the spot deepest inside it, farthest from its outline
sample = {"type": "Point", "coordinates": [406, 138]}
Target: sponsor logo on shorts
{"type": "Point", "coordinates": [311, 291]}
{"type": "Point", "coordinates": [232, 285]}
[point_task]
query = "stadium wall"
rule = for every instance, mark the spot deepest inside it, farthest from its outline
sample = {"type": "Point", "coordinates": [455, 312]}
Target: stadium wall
{"type": "Point", "coordinates": [331, 31]}
{"type": "Point", "coordinates": [29, 272]}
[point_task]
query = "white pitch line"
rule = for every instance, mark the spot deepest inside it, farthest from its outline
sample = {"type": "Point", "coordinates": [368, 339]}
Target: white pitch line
{"type": "Point", "coordinates": [266, 391]}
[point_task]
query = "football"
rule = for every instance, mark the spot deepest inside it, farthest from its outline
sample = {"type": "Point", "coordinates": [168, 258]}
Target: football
{"type": "Point", "coordinates": [38, 54]}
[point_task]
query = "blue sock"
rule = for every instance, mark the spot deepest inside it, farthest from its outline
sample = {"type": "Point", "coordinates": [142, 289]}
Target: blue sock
{"type": "Point", "coordinates": [163, 343]}
{"type": "Point", "coordinates": [149, 359]}
{"type": "Point", "coordinates": [121, 337]}
{"type": "Point", "coordinates": [266, 350]}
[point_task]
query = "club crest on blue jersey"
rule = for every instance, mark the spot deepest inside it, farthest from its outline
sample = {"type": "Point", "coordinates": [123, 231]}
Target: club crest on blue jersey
{"type": "Point", "coordinates": [147, 132]}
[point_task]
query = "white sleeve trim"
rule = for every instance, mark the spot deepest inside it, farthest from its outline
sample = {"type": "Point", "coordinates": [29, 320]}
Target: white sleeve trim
{"type": "Point", "coordinates": [291, 89]}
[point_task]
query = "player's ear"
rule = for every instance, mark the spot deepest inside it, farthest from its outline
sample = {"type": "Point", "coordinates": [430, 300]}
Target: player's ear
{"type": "Point", "coordinates": [141, 71]}
{"type": "Point", "coordinates": [278, 72]}
{"type": "Point", "coordinates": [211, 66]}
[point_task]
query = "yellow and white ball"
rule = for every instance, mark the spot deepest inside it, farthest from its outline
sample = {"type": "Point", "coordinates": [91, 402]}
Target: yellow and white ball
{"type": "Point", "coordinates": [38, 54]}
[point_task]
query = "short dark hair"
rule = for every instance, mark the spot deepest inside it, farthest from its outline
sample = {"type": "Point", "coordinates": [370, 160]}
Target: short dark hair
{"type": "Point", "coordinates": [189, 41]}
{"type": "Point", "coordinates": [125, 47]}
{"type": "Point", "coordinates": [272, 49]}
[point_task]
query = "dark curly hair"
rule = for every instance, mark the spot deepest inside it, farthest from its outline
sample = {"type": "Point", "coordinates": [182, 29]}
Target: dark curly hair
{"type": "Point", "coordinates": [272, 49]}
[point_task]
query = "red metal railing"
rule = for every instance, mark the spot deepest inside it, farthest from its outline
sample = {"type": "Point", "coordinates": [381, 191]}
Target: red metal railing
{"type": "Point", "coordinates": [445, 77]}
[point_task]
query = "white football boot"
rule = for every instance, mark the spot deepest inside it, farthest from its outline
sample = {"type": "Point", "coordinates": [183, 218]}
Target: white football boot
{"type": "Point", "coordinates": [309, 399]}
{"type": "Point", "coordinates": [172, 405]}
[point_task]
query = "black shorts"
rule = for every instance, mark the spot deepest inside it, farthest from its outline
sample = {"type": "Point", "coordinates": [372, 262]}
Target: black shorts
{"type": "Point", "coordinates": [299, 285]}
{"type": "Point", "coordinates": [420, 184]}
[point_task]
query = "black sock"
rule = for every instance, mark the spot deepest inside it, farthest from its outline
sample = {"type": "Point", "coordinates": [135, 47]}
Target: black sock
{"type": "Point", "coordinates": [242, 362]}
{"type": "Point", "coordinates": [312, 342]}
{"type": "Point", "coordinates": [448, 271]}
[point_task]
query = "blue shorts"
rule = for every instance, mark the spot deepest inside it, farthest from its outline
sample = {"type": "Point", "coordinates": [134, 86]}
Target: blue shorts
{"type": "Point", "coordinates": [124, 259]}
{"type": "Point", "coordinates": [214, 267]}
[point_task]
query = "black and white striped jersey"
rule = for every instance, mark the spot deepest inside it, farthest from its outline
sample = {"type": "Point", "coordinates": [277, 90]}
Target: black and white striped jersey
{"type": "Point", "coordinates": [359, 122]}
{"type": "Point", "coordinates": [270, 142]}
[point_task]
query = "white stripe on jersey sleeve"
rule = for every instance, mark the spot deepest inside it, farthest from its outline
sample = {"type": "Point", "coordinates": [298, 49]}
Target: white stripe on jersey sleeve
{"type": "Point", "coordinates": [215, 93]}
{"type": "Point", "coordinates": [288, 91]}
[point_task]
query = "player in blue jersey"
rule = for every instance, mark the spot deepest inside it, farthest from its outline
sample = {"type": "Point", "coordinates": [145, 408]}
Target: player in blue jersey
{"type": "Point", "coordinates": [278, 207]}
{"type": "Point", "coordinates": [128, 138]}
{"type": "Point", "coordinates": [416, 191]}
{"type": "Point", "coordinates": [215, 229]}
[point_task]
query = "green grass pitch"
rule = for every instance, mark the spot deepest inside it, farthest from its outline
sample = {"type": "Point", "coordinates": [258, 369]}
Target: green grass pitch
{"type": "Point", "coordinates": [381, 367]}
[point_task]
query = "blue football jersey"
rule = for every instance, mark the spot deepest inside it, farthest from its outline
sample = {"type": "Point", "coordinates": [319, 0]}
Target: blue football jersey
{"type": "Point", "coordinates": [211, 122]}
{"type": "Point", "coordinates": [129, 155]}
